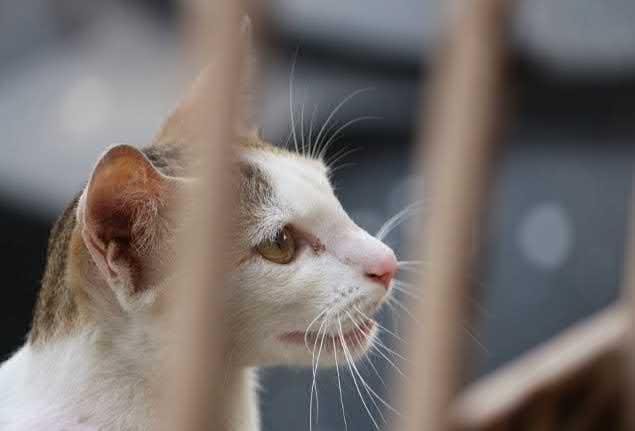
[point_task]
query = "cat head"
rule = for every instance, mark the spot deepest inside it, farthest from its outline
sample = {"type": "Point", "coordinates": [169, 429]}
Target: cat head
{"type": "Point", "coordinates": [303, 276]}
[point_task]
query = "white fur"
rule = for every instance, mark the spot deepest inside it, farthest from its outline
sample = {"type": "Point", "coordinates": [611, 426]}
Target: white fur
{"type": "Point", "coordinates": [103, 377]}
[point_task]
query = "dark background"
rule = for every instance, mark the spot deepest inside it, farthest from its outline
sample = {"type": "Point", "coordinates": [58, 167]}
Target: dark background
{"type": "Point", "coordinates": [77, 76]}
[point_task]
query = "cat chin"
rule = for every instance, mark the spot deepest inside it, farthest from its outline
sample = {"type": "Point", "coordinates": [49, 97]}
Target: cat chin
{"type": "Point", "coordinates": [327, 351]}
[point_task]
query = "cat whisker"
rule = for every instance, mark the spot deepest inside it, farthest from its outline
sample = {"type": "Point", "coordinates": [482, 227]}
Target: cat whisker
{"type": "Point", "coordinates": [311, 391]}
{"type": "Point", "coordinates": [372, 364]}
{"type": "Point", "coordinates": [336, 110]}
{"type": "Point", "coordinates": [372, 394]}
{"type": "Point", "coordinates": [311, 146]}
{"type": "Point", "coordinates": [350, 363]}
{"type": "Point", "coordinates": [306, 331]}
{"type": "Point", "coordinates": [393, 310]}
{"type": "Point", "coordinates": [398, 303]}
{"type": "Point", "coordinates": [339, 384]}
{"type": "Point", "coordinates": [337, 168]}
{"type": "Point", "coordinates": [467, 330]}
{"type": "Point", "coordinates": [335, 134]}
{"type": "Point", "coordinates": [397, 219]}
{"type": "Point", "coordinates": [387, 359]}
{"type": "Point", "coordinates": [388, 350]}
{"type": "Point", "coordinates": [404, 286]}
{"type": "Point", "coordinates": [379, 325]}
{"type": "Point", "coordinates": [302, 137]}
{"type": "Point", "coordinates": [410, 264]}
{"type": "Point", "coordinates": [377, 373]}
{"type": "Point", "coordinates": [368, 358]}
{"type": "Point", "coordinates": [339, 156]}
{"type": "Point", "coordinates": [399, 287]}
{"type": "Point", "coordinates": [315, 363]}
{"type": "Point", "coordinates": [291, 102]}
{"type": "Point", "coordinates": [286, 142]}
{"type": "Point", "coordinates": [380, 343]}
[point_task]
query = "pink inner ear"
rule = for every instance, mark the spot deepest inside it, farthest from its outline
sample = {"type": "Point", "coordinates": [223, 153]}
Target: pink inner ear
{"type": "Point", "coordinates": [121, 214]}
{"type": "Point", "coordinates": [124, 189]}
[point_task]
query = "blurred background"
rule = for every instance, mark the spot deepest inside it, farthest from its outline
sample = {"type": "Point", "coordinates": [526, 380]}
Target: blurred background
{"type": "Point", "coordinates": [78, 75]}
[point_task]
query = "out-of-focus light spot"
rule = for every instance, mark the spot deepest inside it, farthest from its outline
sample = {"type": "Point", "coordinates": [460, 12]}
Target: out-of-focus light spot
{"type": "Point", "coordinates": [87, 107]}
{"type": "Point", "coordinates": [546, 236]}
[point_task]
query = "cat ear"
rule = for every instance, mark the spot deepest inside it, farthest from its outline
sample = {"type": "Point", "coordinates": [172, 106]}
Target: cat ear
{"type": "Point", "coordinates": [121, 215]}
{"type": "Point", "coordinates": [183, 125]}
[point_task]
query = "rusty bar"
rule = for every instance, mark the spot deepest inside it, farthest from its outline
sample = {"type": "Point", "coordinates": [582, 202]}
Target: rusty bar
{"type": "Point", "coordinates": [461, 119]}
{"type": "Point", "coordinates": [192, 389]}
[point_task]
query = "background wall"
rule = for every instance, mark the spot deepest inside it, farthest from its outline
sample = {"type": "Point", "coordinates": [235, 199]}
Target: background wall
{"type": "Point", "coordinates": [76, 76]}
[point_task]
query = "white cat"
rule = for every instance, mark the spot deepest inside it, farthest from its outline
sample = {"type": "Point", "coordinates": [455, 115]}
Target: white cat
{"type": "Point", "coordinates": [305, 279]}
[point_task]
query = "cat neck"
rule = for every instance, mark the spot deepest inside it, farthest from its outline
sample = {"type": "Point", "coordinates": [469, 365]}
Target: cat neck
{"type": "Point", "coordinates": [88, 379]}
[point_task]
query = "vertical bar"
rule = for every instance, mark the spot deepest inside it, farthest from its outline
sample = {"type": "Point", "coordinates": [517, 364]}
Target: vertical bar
{"type": "Point", "coordinates": [191, 393]}
{"type": "Point", "coordinates": [461, 128]}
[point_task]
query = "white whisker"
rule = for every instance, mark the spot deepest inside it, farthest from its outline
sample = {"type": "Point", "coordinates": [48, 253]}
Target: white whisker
{"type": "Point", "coordinates": [302, 137]}
{"type": "Point", "coordinates": [396, 302]}
{"type": "Point", "coordinates": [335, 111]}
{"type": "Point", "coordinates": [372, 394]}
{"type": "Point", "coordinates": [311, 144]}
{"type": "Point", "coordinates": [387, 359]}
{"type": "Point", "coordinates": [306, 331]}
{"type": "Point", "coordinates": [410, 264]}
{"type": "Point", "coordinates": [314, 376]}
{"type": "Point", "coordinates": [291, 102]}
{"type": "Point", "coordinates": [379, 325]}
{"type": "Point", "coordinates": [340, 155]}
{"type": "Point", "coordinates": [397, 219]}
{"type": "Point", "coordinates": [339, 384]}
{"type": "Point", "coordinates": [315, 362]}
{"type": "Point", "coordinates": [350, 363]}
{"type": "Point", "coordinates": [405, 287]}
{"type": "Point", "coordinates": [335, 134]}
{"type": "Point", "coordinates": [400, 288]}
{"type": "Point", "coordinates": [467, 330]}
{"type": "Point", "coordinates": [390, 351]}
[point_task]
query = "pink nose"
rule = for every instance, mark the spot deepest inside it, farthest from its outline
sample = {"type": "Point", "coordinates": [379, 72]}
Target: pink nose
{"type": "Point", "coordinates": [383, 269]}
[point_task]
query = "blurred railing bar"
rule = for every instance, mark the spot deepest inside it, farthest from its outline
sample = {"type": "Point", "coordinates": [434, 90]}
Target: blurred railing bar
{"type": "Point", "coordinates": [192, 389]}
{"type": "Point", "coordinates": [462, 123]}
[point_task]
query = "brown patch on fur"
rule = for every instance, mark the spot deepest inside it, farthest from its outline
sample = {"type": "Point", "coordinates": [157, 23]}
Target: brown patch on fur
{"type": "Point", "coordinates": [56, 307]}
{"type": "Point", "coordinates": [62, 301]}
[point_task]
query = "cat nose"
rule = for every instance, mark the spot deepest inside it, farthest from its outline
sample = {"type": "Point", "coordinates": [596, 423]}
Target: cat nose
{"type": "Point", "coordinates": [383, 269]}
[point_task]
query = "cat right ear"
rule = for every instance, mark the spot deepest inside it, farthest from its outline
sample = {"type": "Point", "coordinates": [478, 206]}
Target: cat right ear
{"type": "Point", "coordinates": [184, 124]}
{"type": "Point", "coordinates": [121, 216]}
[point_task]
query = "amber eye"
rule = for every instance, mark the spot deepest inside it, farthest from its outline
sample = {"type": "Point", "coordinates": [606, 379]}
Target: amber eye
{"type": "Point", "coordinates": [280, 250]}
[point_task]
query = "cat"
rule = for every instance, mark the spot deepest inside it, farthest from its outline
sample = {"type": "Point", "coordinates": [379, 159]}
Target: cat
{"type": "Point", "coordinates": [304, 277]}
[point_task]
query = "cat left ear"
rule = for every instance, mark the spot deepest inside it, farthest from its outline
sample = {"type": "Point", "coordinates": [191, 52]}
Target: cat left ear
{"type": "Point", "coordinates": [121, 215]}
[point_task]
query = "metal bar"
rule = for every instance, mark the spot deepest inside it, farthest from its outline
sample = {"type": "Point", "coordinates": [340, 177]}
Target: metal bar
{"type": "Point", "coordinates": [192, 389]}
{"type": "Point", "coordinates": [461, 121]}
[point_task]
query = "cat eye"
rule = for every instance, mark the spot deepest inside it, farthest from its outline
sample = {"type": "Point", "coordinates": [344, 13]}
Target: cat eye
{"type": "Point", "coordinates": [280, 249]}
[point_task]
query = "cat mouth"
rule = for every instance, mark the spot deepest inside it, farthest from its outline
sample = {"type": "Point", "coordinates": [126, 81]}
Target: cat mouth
{"type": "Point", "coordinates": [353, 339]}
